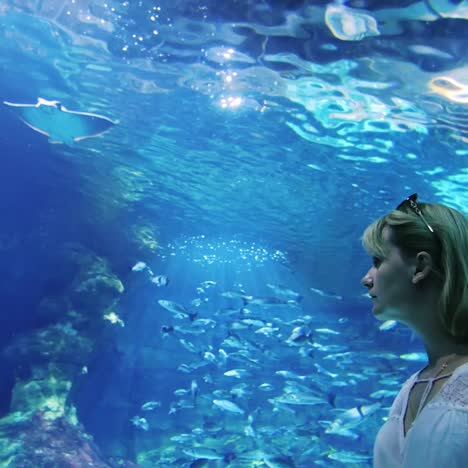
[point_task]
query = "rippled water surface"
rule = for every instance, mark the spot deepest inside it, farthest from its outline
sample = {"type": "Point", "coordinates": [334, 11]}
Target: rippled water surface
{"type": "Point", "coordinates": [253, 142]}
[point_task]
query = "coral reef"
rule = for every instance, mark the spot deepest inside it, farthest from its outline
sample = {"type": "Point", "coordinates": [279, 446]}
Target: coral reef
{"type": "Point", "coordinates": [42, 429]}
{"type": "Point", "coordinates": [144, 237]}
{"type": "Point", "coordinates": [41, 442]}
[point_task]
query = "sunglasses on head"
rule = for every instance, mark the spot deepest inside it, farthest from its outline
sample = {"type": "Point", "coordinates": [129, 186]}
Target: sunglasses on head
{"type": "Point", "coordinates": [411, 201]}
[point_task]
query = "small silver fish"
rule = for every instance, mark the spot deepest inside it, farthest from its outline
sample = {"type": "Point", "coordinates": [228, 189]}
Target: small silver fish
{"type": "Point", "coordinates": [414, 357]}
{"type": "Point", "coordinates": [207, 284]}
{"type": "Point", "coordinates": [298, 399]}
{"type": "Point", "coordinates": [141, 423]}
{"type": "Point", "coordinates": [299, 336]}
{"type": "Point", "coordinates": [178, 310]}
{"type": "Point", "coordinates": [203, 453]}
{"type": "Point", "coordinates": [139, 266]}
{"type": "Point", "coordinates": [284, 292]}
{"type": "Point", "coordinates": [229, 406]}
{"type": "Point", "coordinates": [326, 293]}
{"type": "Point", "coordinates": [150, 405]}
{"type": "Point", "coordinates": [160, 280]}
{"type": "Point", "coordinates": [265, 387]}
{"type": "Point", "coordinates": [388, 325]}
{"type": "Point", "coordinates": [267, 301]}
{"type": "Point", "coordinates": [235, 295]}
{"type": "Point", "coordinates": [194, 390]}
{"type": "Point", "coordinates": [237, 373]}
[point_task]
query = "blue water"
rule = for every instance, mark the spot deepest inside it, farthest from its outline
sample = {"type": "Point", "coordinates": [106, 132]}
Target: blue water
{"type": "Point", "coordinates": [252, 146]}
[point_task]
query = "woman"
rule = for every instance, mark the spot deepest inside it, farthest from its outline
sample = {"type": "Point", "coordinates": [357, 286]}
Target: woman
{"type": "Point", "coordinates": [419, 277]}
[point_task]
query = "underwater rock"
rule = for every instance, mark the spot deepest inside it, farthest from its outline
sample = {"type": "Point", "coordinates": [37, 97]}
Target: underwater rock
{"type": "Point", "coordinates": [46, 361]}
{"type": "Point", "coordinates": [42, 428]}
{"type": "Point", "coordinates": [48, 394]}
{"type": "Point", "coordinates": [52, 308]}
{"type": "Point", "coordinates": [144, 237]}
{"type": "Point", "coordinates": [41, 442]}
{"type": "Point", "coordinates": [94, 287]}
{"type": "Point", "coordinates": [97, 293]}
{"type": "Point", "coordinates": [59, 343]}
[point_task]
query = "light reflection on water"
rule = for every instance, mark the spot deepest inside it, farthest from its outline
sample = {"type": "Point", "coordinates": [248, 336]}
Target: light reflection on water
{"type": "Point", "coordinates": [262, 121]}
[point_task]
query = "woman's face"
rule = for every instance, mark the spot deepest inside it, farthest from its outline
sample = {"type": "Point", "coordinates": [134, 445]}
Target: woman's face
{"type": "Point", "coordinates": [389, 282]}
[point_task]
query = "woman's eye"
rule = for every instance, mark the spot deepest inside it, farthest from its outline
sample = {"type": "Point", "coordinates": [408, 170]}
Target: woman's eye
{"type": "Point", "coordinates": [376, 261]}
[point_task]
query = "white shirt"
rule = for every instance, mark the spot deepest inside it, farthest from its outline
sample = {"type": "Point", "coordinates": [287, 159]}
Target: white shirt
{"type": "Point", "coordinates": [438, 437]}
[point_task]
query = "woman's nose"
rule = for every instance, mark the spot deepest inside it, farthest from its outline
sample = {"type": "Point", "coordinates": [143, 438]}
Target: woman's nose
{"type": "Point", "coordinates": [367, 280]}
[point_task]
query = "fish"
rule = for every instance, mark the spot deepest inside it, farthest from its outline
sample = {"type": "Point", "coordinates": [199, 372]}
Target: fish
{"type": "Point", "coordinates": [235, 294]}
{"type": "Point", "coordinates": [237, 373]}
{"type": "Point", "coordinates": [265, 387]}
{"type": "Point", "coordinates": [139, 266]}
{"type": "Point", "coordinates": [348, 457]}
{"type": "Point", "coordinates": [53, 119]}
{"type": "Point", "coordinates": [240, 391]}
{"type": "Point", "coordinates": [253, 322]}
{"type": "Point", "coordinates": [179, 405]}
{"type": "Point", "coordinates": [194, 390]}
{"type": "Point", "coordinates": [249, 431]}
{"type": "Point", "coordinates": [298, 399]}
{"type": "Point", "coordinates": [188, 330]}
{"type": "Point", "coordinates": [327, 331]}
{"type": "Point", "coordinates": [384, 393]}
{"type": "Point", "coordinates": [290, 375]}
{"type": "Point", "coordinates": [178, 310]}
{"type": "Point", "coordinates": [209, 356]}
{"type": "Point", "coordinates": [203, 453]}
{"type": "Point", "coordinates": [203, 323]}
{"type": "Point", "coordinates": [326, 293]}
{"type": "Point", "coordinates": [351, 418]}
{"type": "Point", "coordinates": [167, 330]}
{"type": "Point", "coordinates": [285, 292]}
{"type": "Point", "coordinates": [267, 301]}
{"type": "Point", "coordinates": [150, 405]}
{"type": "Point", "coordinates": [183, 438]}
{"type": "Point", "coordinates": [113, 318]}
{"type": "Point", "coordinates": [141, 423]}
{"type": "Point", "coordinates": [299, 336]}
{"type": "Point", "coordinates": [238, 326]}
{"type": "Point", "coordinates": [267, 331]}
{"type": "Point", "coordinates": [414, 357]}
{"type": "Point", "coordinates": [208, 284]}
{"type": "Point", "coordinates": [229, 406]}
{"type": "Point", "coordinates": [188, 345]}
{"type": "Point", "coordinates": [189, 368]}
{"type": "Point", "coordinates": [388, 325]}
{"type": "Point", "coordinates": [160, 280]}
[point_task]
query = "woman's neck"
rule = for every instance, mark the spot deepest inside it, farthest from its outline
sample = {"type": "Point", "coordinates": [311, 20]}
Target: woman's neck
{"type": "Point", "coordinates": [444, 348]}
{"type": "Point", "coordinates": [426, 322]}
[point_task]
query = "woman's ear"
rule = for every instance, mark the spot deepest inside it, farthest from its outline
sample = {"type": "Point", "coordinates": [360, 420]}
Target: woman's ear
{"type": "Point", "coordinates": [423, 266]}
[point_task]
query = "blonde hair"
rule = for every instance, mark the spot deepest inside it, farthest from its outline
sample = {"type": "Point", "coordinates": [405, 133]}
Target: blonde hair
{"type": "Point", "coordinates": [448, 246]}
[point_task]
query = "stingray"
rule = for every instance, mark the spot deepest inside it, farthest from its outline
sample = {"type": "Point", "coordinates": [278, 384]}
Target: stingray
{"type": "Point", "coordinates": [61, 125]}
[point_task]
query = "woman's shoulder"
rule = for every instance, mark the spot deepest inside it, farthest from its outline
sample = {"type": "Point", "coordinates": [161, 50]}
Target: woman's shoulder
{"type": "Point", "coordinates": [455, 391]}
